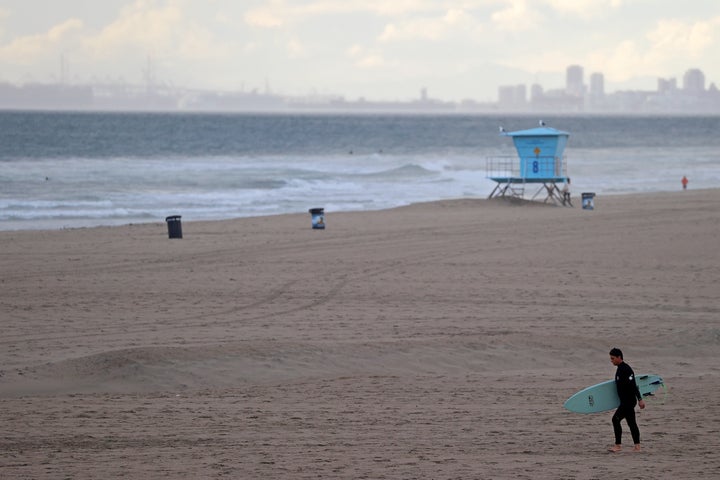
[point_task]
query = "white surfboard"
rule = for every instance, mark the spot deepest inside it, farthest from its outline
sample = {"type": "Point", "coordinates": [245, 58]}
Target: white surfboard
{"type": "Point", "coordinates": [603, 396]}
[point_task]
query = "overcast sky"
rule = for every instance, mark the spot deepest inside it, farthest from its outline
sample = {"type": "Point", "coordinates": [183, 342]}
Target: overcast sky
{"type": "Point", "coordinates": [377, 49]}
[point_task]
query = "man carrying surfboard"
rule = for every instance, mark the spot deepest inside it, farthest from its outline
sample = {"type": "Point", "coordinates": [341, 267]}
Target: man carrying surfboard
{"type": "Point", "coordinates": [629, 395]}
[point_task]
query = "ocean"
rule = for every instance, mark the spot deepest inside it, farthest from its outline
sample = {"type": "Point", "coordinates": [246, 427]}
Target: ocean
{"type": "Point", "coordinates": [70, 170]}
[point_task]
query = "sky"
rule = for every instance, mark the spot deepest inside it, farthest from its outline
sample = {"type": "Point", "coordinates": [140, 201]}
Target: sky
{"type": "Point", "coordinates": [372, 49]}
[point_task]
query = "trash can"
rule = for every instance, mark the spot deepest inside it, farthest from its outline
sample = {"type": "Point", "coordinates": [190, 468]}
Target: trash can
{"type": "Point", "coordinates": [174, 226]}
{"type": "Point", "coordinates": [588, 201]}
{"type": "Point", "coordinates": [318, 218]}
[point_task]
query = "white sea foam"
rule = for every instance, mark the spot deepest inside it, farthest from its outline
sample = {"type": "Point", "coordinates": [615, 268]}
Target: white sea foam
{"type": "Point", "coordinates": [67, 189]}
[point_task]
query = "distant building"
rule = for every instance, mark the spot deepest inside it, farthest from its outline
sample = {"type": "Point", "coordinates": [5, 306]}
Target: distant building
{"type": "Point", "coordinates": [667, 85]}
{"type": "Point", "coordinates": [574, 82]}
{"type": "Point", "coordinates": [597, 85]}
{"type": "Point", "coordinates": [512, 97]}
{"type": "Point", "coordinates": [595, 99]}
{"type": "Point", "coordinates": [33, 96]}
{"type": "Point", "coordinates": [536, 92]}
{"type": "Point", "coordinates": [558, 100]}
{"type": "Point", "coordinates": [694, 81]}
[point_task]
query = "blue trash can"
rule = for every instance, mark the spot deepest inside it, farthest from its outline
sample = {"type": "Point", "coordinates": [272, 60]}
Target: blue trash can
{"type": "Point", "coordinates": [318, 218]}
{"type": "Point", "coordinates": [588, 201]}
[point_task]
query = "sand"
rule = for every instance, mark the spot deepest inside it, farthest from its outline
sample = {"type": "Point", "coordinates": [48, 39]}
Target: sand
{"type": "Point", "coordinates": [438, 340]}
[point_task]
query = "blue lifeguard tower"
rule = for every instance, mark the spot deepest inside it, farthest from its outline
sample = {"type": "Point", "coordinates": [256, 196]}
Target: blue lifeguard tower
{"type": "Point", "coordinates": [540, 161]}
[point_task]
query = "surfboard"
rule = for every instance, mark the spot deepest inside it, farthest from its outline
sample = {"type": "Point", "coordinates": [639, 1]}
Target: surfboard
{"type": "Point", "coordinates": [603, 396]}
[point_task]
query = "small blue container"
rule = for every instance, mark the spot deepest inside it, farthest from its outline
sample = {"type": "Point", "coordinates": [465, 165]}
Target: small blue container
{"type": "Point", "coordinates": [588, 200]}
{"type": "Point", "coordinates": [318, 218]}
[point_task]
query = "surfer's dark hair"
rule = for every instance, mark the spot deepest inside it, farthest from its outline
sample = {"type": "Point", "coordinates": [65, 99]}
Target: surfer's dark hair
{"type": "Point", "coordinates": [616, 352]}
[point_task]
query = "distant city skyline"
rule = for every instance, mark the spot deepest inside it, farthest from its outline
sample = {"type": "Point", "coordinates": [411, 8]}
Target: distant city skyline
{"type": "Point", "coordinates": [579, 96]}
{"type": "Point", "coordinates": [358, 49]}
{"type": "Point", "coordinates": [576, 96]}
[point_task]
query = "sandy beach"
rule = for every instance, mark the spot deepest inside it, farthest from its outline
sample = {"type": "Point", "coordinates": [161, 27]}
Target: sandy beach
{"type": "Point", "coordinates": [435, 341]}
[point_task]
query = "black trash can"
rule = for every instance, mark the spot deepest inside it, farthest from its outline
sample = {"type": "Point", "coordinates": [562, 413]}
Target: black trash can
{"type": "Point", "coordinates": [174, 226]}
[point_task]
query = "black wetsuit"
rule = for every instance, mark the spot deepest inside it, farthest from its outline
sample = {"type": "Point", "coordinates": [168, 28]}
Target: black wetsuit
{"type": "Point", "coordinates": [629, 393]}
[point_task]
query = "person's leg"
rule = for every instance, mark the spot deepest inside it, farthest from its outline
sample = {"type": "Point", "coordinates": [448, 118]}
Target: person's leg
{"type": "Point", "coordinates": [634, 430]}
{"type": "Point", "coordinates": [617, 428]}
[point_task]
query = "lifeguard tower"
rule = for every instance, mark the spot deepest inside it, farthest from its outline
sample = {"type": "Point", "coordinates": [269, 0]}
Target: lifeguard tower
{"type": "Point", "coordinates": [540, 162]}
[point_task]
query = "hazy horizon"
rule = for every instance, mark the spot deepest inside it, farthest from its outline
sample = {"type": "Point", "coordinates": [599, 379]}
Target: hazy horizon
{"type": "Point", "coordinates": [359, 49]}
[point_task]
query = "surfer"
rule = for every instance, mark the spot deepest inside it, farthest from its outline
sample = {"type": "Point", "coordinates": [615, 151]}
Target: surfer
{"type": "Point", "coordinates": [628, 392]}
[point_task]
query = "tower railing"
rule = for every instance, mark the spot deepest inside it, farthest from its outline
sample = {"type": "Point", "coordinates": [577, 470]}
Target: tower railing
{"type": "Point", "coordinates": [515, 169]}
